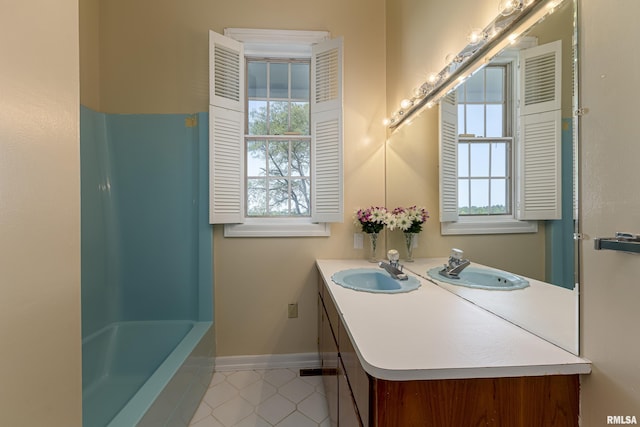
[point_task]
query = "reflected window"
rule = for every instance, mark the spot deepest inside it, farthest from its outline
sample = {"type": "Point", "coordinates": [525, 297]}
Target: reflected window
{"type": "Point", "coordinates": [485, 142]}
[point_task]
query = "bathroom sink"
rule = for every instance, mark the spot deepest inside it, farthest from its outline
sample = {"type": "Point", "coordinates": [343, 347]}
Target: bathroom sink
{"type": "Point", "coordinates": [373, 280]}
{"type": "Point", "coordinates": [482, 278]}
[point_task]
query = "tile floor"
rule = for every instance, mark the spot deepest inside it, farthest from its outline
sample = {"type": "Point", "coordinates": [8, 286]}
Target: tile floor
{"type": "Point", "coordinates": [263, 398]}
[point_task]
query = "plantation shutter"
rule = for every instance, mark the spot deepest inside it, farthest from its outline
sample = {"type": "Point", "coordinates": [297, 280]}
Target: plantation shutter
{"type": "Point", "coordinates": [539, 181]}
{"type": "Point", "coordinates": [226, 130]}
{"type": "Point", "coordinates": [448, 158]}
{"type": "Point", "coordinates": [326, 132]}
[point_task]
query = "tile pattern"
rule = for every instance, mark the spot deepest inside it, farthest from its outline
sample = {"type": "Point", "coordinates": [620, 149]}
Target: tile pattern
{"type": "Point", "coordinates": [263, 398]}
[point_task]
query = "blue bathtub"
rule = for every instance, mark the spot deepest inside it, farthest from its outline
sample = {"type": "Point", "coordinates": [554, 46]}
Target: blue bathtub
{"type": "Point", "coordinates": [146, 373]}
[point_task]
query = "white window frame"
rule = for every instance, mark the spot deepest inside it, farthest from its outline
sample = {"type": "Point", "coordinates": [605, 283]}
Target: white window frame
{"type": "Point", "coordinates": [277, 44]}
{"type": "Point", "coordinates": [494, 224]}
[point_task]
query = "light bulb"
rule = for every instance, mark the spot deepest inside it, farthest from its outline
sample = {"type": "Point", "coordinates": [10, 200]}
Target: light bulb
{"type": "Point", "coordinates": [507, 7]}
{"type": "Point", "coordinates": [475, 36]}
{"type": "Point", "coordinates": [406, 103]}
{"type": "Point", "coordinates": [386, 122]}
{"type": "Point", "coordinates": [433, 78]}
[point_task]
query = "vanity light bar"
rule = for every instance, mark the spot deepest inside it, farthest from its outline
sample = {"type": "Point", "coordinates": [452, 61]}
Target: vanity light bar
{"type": "Point", "coordinates": [514, 14]}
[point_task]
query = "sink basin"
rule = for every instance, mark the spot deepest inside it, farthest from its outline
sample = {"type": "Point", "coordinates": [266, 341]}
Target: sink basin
{"type": "Point", "coordinates": [373, 280]}
{"type": "Point", "coordinates": [482, 278]}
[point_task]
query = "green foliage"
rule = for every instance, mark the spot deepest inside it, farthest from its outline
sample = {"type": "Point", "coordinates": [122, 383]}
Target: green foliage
{"type": "Point", "coordinates": [483, 210]}
{"type": "Point", "coordinates": [278, 194]}
{"type": "Point", "coordinates": [280, 119]}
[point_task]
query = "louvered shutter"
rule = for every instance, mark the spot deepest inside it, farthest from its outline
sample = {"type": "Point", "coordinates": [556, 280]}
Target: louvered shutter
{"type": "Point", "coordinates": [448, 158]}
{"type": "Point", "coordinates": [539, 156]}
{"type": "Point", "coordinates": [226, 130]}
{"type": "Point", "coordinates": [326, 132]}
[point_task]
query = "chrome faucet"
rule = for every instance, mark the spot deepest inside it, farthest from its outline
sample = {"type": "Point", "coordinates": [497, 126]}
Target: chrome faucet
{"type": "Point", "coordinates": [455, 265]}
{"type": "Point", "coordinates": [393, 267]}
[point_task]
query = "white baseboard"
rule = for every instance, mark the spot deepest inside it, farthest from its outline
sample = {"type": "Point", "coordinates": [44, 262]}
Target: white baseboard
{"type": "Point", "coordinates": [267, 361]}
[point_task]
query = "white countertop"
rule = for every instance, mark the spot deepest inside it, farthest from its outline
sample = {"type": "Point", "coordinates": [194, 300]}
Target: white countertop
{"type": "Point", "coordinates": [546, 310]}
{"type": "Point", "coordinates": [431, 333]}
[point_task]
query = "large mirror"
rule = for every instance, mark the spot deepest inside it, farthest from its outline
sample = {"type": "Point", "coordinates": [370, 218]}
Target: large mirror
{"type": "Point", "coordinates": [490, 116]}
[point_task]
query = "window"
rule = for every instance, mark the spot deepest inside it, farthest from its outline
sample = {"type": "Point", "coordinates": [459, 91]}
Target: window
{"type": "Point", "coordinates": [278, 140]}
{"type": "Point", "coordinates": [500, 153]}
{"type": "Point", "coordinates": [485, 142]}
{"type": "Point", "coordinates": [276, 135]}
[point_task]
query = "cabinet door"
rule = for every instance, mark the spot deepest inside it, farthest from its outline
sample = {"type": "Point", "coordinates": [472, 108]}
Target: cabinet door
{"type": "Point", "coordinates": [347, 412]}
{"type": "Point", "coordinates": [358, 378]}
{"type": "Point", "coordinates": [328, 349]}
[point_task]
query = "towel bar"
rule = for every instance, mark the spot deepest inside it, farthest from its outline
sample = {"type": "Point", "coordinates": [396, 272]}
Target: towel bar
{"type": "Point", "coordinates": [624, 242]}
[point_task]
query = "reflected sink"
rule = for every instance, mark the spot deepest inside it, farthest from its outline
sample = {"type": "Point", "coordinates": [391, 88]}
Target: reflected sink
{"type": "Point", "coordinates": [482, 278]}
{"type": "Point", "coordinates": [373, 280]}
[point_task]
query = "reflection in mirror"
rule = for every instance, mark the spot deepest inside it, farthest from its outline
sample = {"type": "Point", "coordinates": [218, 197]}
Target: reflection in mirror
{"type": "Point", "coordinates": [497, 115]}
{"type": "Point", "coordinates": [511, 155]}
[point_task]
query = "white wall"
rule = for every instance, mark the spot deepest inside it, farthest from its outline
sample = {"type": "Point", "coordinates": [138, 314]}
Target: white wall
{"type": "Point", "coordinates": [610, 150]}
{"type": "Point", "coordinates": [40, 352]}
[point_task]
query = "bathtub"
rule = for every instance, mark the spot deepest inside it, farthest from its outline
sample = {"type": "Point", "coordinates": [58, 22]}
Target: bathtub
{"type": "Point", "coordinates": [145, 373]}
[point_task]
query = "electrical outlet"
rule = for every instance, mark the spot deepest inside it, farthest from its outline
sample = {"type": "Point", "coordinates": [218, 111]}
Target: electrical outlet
{"type": "Point", "coordinates": [293, 310]}
{"type": "Point", "coordinates": [358, 241]}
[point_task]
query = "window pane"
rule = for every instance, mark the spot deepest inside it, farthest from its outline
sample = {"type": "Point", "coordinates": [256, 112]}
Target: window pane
{"type": "Point", "coordinates": [461, 119]}
{"type": "Point", "coordinates": [256, 158]}
{"type": "Point", "coordinates": [479, 196]}
{"type": "Point", "coordinates": [495, 125]}
{"type": "Point", "coordinates": [257, 79]}
{"type": "Point", "coordinates": [499, 196]}
{"type": "Point", "coordinates": [279, 158]}
{"type": "Point", "coordinates": [300, 81]}
{"type": "Point", "coordinates": [475, 87]}
{"type": "Point", "coordinates": [257, 119]}
{"type": "Point", "coordinates": [460, 93]}
{"type": "Point", "coordinates": [279, 80]}
{"type": "Point", "coordinates": [300, 158]}
{"type": "Point", "coordinates": [278, 117]}
{"type": "Point", "coordinates": [475, 120]}
{"type": "Point", "coordinates": [495, 84]}
{"type": "Point", "coordinates": [256, 197]}
{"type": "Point", "coordinates": [499, 159]}
{"type": "Point", "coordinates": [463, 159]}
{"type": "Point", "coordinates": [278, 197]}
{"type": "Point", "coordinates": [479, 159]}
{"type": "Point", "coordinates": [463, 196]}
{"type": "Point", "coordinates": [300, 195]}
{"type": "Point", "coordinates": [300, 118]}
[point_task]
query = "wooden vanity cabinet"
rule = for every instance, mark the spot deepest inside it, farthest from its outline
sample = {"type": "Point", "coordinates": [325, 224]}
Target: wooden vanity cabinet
{"type": "Point", "coordinates": [340, 398]}
{"type": "Point", "coordinates": [355, 398]}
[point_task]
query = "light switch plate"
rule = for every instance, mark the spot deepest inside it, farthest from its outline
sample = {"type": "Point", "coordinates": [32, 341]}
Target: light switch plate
{"type": "Point", "coordinates": [358, 241]}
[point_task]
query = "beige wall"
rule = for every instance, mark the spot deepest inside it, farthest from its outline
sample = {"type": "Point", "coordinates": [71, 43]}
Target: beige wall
{"type": "Point", "coordinates": [40, 356]}
{"type": "Point", "coordinates": [89, 27]}
{"type": "Point", "coordinates": [419, 36]}
{"type": "Point", "coordinates": [153, 58]}
{"type": "Point", "coordinates": [610, 85]}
